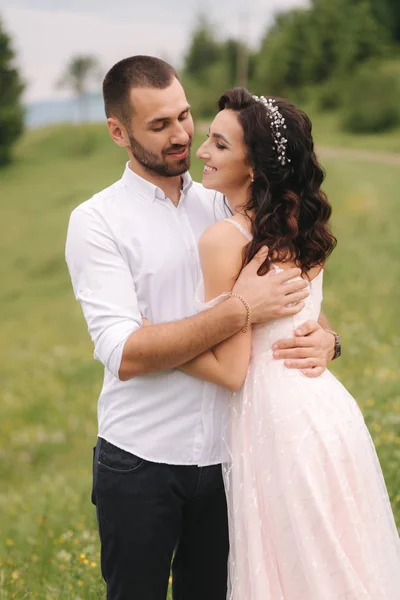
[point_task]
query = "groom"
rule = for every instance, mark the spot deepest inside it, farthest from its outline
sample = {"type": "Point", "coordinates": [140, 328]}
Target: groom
{"type": "Point", "coordinates": [132, 252]}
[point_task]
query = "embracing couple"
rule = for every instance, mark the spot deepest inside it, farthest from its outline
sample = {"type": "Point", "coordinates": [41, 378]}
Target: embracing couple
{"type": "Point", "coordinates": [220, 430]}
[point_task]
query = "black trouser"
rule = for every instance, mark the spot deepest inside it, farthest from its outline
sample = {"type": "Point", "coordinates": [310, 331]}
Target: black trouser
{"type": "Point", "coordinates": [147, 512]}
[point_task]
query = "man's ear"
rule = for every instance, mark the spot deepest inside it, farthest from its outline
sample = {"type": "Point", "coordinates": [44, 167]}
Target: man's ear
{"type": "Point", "coordinates": [118, 132]}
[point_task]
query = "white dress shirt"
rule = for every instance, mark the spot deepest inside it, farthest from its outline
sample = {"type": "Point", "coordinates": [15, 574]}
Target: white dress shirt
{"type": "Point", "coordinates": [131, 252]}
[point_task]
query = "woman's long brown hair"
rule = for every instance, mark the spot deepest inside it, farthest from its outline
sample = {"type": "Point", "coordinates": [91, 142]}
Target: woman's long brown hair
{"type": "Point", "coordinates": [290, 212]}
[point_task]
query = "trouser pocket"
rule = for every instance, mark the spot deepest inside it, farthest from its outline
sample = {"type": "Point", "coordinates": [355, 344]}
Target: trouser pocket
{"type": "Point", "coordinates": [95, 465]}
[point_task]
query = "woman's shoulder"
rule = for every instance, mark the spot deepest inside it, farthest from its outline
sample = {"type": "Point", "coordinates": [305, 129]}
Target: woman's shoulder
{"type": "Point", "coordinates": [233, 230]}
{"type": "Point", "coordinates": [222, 234]}
{"type": "Point", "coordinates": [242, 220]}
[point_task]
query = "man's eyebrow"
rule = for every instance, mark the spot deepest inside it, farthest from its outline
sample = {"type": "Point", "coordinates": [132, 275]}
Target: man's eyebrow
{"type": "Point", "coordinates": [166, 119]}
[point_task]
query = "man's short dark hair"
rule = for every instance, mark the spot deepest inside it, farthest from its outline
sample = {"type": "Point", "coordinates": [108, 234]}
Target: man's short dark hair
{"type": "Point", "coordinates": [133, 72]}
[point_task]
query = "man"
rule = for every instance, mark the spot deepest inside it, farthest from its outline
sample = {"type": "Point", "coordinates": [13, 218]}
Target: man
{"type": "Point", "coordinates": [132, 252]}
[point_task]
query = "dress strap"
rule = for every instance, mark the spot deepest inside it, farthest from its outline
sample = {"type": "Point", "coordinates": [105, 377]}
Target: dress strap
{"type": "Point", "coordinates": [246, 233]}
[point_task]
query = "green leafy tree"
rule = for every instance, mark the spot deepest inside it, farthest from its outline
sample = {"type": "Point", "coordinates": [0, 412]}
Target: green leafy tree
{"type": "Point", "coordinates": [11, 110]}
{"type": "Point", "coordinates": [212, 66]}
{"type": "Point", "coordinates": [313, 46]}
{"type": "Point", "coordinates": [281, 61]}
{"type": "Point", "coordinates": [239, 62]}
{"type": "Point", "coordinates": [372, 98]}
{"type": "Point", "coordinates": [231, 50]}
{"type": "Point", "coordinates": [394, 18]}
{"type": "Point", "coordinates": [204, 52]}
{"type": "Point", "coordinates": [387, 13]}
{"type": "Point", "coordinates": [81, 72]}
{"type": "Point", "coordinates": [345, 34]}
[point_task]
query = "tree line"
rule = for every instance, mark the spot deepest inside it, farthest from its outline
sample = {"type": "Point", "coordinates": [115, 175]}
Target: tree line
{"type": "Point", "coordinates": [335, 54]}
{"type": "Point", "coordinates": [341, 55]}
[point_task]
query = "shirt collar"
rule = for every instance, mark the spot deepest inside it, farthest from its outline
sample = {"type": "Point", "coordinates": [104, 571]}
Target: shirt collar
{"type": "Point", "coordinates": [187, 182]}
{"type": "Point", "coordinates": [149, 190]}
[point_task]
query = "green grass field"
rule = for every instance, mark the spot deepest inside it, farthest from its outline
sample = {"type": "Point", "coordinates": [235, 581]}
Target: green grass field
{"type": "Point", "coordinates": [327, 131]}
{"type": "Point", "coordinates": [50, 382]}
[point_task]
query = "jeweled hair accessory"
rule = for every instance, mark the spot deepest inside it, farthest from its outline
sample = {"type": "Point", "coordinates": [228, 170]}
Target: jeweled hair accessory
{"type": "Point", "coordinates": [277, 124]}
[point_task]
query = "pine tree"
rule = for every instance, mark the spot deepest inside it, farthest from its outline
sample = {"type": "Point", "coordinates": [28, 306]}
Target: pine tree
{"type": "Point", "coordinates": [11, 110]}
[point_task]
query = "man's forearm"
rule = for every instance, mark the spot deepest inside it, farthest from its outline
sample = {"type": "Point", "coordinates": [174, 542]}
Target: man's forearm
{"type": "Point", "coordinates": [323, 321]}
{"type": "Point", "coordinates": [169, 345]}
{"type": "Point", "coordinates": [325, 324]}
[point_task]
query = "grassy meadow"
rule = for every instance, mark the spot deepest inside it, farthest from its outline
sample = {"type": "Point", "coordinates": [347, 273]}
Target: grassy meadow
{"type": "Point", "coordinates": [50, 383]}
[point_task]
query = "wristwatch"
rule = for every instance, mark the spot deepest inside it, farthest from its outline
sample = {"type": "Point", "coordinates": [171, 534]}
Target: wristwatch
{"type": "Point", "coordinates": [338, 344]}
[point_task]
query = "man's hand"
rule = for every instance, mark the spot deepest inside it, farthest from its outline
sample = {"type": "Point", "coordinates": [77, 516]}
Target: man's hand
{"type": "Point", "coordinates": [310, 350]}
{"type": "Point", "coordinates": [274, 295]}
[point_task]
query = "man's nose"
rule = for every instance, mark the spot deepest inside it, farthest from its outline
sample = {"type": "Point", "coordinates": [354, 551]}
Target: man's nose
{"type": "Point", "coordinates": [180, 136]}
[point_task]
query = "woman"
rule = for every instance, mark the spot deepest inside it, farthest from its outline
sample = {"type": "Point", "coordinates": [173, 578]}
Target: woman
{"type": "Point", "coordinates": [309, 513]}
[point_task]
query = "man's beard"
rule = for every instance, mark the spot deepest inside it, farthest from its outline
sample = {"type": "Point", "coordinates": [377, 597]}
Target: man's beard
{"type": "Point", "coordinates": [153, 163]}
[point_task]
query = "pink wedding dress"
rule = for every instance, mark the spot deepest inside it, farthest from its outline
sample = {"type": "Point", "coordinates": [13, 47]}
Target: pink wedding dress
{"type": "Point", "coordinates": [309, 513]}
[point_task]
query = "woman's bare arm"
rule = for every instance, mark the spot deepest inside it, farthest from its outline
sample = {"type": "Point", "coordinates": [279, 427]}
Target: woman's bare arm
{"type": "Point", "coordinates": [226, 364]}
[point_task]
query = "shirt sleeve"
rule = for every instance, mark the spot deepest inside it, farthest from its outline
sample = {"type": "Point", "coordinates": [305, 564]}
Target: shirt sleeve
{"type": "Point", "coordinates": [103, 285]}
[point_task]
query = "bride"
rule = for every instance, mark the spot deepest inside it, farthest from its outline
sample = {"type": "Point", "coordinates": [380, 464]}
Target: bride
{"type": "Point", "coordinates": [309, 513]}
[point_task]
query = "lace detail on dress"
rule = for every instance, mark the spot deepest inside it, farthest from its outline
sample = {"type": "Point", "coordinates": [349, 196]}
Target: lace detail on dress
{"type": "Point", "coordinates": [199, 298]}
{"type": "Point", "coordinates": [246, 233]}
{"type": "Point", "coordinates": [309, 514]}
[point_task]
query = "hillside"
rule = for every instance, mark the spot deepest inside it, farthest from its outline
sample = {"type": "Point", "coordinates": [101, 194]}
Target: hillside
{"type": "Point", "coordinates": [50, 382]}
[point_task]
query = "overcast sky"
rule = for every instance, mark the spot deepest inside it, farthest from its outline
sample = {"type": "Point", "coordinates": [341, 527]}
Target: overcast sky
{"type": "Point", "coordinates": [46, 33]}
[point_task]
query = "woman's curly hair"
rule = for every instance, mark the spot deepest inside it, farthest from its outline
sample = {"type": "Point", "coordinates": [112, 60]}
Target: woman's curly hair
{"type": "Point", "coordinates": [290, 212]}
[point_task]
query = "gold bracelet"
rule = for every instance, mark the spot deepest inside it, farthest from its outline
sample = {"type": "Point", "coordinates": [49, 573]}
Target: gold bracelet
{"type": "Point", "coordinates": [248, 318]}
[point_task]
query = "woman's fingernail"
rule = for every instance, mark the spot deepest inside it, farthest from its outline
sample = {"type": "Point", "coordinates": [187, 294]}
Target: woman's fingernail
{"type": "Point", "coordinates": [276, 354]}
{"type": "Point", "coordinates": [288, 363]}
{"type": "Point", "coordinates": [274, 346]}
